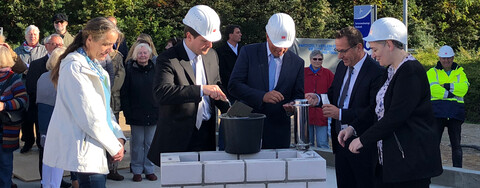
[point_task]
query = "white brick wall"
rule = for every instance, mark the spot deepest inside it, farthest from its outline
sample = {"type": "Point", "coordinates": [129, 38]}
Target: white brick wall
{"type": "Point", "coordinates": [265, 170]}
{"type": "Point", "coordinates": [181, 173]}
{"type": "Point", "coordinates": [204, 186]}
{"type": "Point", "coordinates": [263, 154]}
{"type": "Point", "coordinates": [286, 153]}
{"type": "Point", "coordinates": [246, 185]}
{"type": "Point", "coordinates": [232, 171]}
{"type": "Point", "coordinates": [306, 168]}
{"type": "Point", "coordinates": [184, 156]}
{"type": "Point", "coordinates": [288, 185]}
{"type": "Point", "coordinates": [283, 168]}
{"type": "Point", "coordinates": [216, 156]}
{"type": "Point", "coordinates": [322, 184]}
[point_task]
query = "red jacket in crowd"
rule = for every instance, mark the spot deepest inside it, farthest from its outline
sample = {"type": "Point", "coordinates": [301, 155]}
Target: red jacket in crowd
{"type": "Point", "coordinates": [317, 83]}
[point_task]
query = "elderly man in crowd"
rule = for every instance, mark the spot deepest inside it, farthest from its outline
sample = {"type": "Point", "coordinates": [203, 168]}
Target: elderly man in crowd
{"type": "Point", "coordinates": [29, 51]}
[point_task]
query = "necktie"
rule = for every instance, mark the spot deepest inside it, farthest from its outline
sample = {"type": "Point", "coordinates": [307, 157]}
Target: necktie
{"type": "Point", "coordinates": [344, 95]}
{"type": "Point", "coordinates": [272, 68]}
{"type": "Point", "coordinates": [199, 80]}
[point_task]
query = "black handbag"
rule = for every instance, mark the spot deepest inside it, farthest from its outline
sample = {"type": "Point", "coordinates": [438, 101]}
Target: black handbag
{"type": "Point", "coordinates": [11, 117]}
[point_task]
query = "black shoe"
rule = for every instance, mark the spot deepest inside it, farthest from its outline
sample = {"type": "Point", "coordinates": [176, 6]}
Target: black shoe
{"type": "Point", "coordinates": [26, 148]}
{"type": "Point", "coordinates": [114, 175]}
{"type": "Point", "coordinates": [65, 184]}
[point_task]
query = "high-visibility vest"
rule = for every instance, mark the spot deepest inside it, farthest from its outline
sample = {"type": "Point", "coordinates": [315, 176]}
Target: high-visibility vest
{"type": "Point", "coordinates": [457, 83]}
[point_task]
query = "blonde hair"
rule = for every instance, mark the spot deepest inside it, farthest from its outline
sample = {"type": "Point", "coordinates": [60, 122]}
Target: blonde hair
{"type": "Point", "coordinates": [53, 60]}
{"type": "Point", "coordinates": [142, 38]}
{"type": "Point", "coordinates": [97, 28]}
{"type": "Point", "coordinates": [6, 59]}
{"type": "Point", "coordinates": [137, 48]}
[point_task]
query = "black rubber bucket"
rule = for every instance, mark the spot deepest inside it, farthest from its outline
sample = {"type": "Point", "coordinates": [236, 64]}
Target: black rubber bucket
{"type": "Point", "coordinates": [243, 135]}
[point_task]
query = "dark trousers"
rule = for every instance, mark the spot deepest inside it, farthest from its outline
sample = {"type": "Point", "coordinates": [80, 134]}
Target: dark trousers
{"type": "Point", "coordinates": [455, 134]}
{"type": "Point", "coordinates": [203, 139]}
{"type": "Point", "coordinates": [29, 124]}
{"type": "Point", "coordinates": [354, 170]}
{"type": "Point", "coordinates": [92, 180]}
{"type": "Point", "coordinates": [420, 183]}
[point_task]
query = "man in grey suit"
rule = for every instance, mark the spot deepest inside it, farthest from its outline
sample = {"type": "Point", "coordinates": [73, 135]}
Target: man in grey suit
{"type": "Point", "coordinates": [186, 87]}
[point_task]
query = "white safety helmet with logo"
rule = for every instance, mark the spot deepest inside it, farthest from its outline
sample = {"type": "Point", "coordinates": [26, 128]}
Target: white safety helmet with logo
{"type": "Point", "coordinates": [205, 21]}
{"type": "Point", "coordinates": [387, 29]}
{"type": "Point", "coordinates": [446, 51]}
{"type": "Point", "coordinates": [281, 30]}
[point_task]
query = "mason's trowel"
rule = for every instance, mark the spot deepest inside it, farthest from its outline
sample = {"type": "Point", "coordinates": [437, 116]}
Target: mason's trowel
{"type": "Point", "coordinates": [239, 109]}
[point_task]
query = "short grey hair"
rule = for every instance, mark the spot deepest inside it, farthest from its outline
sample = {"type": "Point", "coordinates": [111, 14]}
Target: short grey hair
{"type": "Point", "coordinates": [135, 51]}
{"type": "Point", "coordinates": [30, 27]}
{"type": "Point", "coordinates": [50, 37]}
{"type": "Point", "coordinates": [315, 53]}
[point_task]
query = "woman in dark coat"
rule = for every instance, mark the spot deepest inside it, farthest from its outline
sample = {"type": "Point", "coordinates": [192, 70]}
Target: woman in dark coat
{"type": "Point", "coordinates": [140, 110]}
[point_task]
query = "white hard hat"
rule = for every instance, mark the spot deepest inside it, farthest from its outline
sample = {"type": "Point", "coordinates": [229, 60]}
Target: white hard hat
{"type": "Point", "coordinates": [446, 51]}
{"type": "Point", "coordinates": [205, 21]}
{"type": "Point", "coordinates": [387, 29]}
{"type": "Point", "coordinates": [281, 30]}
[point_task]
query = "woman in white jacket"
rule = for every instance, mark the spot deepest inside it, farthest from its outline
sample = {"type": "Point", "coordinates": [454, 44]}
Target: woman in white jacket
{"type": "Point", "coordinates": [82, 126]}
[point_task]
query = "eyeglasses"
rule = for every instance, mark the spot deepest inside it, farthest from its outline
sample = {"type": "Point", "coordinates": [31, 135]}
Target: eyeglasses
{"type": "Point", "coordinates": [317, 59]}
{"type": "Point", "coordinates": [55, 44]}
{"type": "Point", "coordinates": [60, 21]}
{"type": "Point", "coordinates": [342, 51]}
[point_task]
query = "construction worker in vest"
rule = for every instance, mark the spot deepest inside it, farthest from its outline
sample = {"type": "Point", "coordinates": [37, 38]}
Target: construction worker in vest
{"type": "Point", "coordinates": [448, 85]}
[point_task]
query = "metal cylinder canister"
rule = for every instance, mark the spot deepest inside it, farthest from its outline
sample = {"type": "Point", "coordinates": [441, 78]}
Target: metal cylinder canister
{"type": "Point", "coordinates": [302, 139]}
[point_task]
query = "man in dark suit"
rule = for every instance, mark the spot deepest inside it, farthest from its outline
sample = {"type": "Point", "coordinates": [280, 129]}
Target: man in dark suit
{"type": "Point", "coordinates": [186, 86]}
{"type": "Point", "coordinates": [353, 89]}
{"type": "Point", "coordinates": [267, 76]}
{"type": "Point", "coordinates": [35, 70]}
{"type": "Point", "coordinates": [228, 53]}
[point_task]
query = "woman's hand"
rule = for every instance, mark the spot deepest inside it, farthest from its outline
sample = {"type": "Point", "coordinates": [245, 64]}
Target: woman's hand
{"type": "Point", "coordinates": [119, 156]}
{"type": "Point", "coordinates": [2, 106]}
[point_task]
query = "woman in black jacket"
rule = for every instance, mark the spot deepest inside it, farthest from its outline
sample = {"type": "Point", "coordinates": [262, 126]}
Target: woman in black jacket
{"type": "Point", "coordinates": [140, 110]}
{"type": "Point", "coordinates": [409, 152]}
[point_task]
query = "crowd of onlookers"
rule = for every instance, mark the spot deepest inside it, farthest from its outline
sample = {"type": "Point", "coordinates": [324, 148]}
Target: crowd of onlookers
{"type": "Point", "coordinates": [32, 64]}
{"type": "Point", "coordinates": [385, 132]}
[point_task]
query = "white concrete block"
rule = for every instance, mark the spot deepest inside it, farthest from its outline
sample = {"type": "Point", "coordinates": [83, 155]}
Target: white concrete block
{"type": "Point", "coordinates": [169, 159]}
{"type": "Point", "coordinates": [216, 156]}
{"type": "Point", "coordinates": [184, 156]}
{"type": "Point", "coordinates": [308, 154]}
{"type": "Point", "coordinates": [263, 154]}
{"type": "Point", "coordinates": [288, 185]}
{"type": "Point", "coordinates": [286, 153]}
{"type": "Point", "coordinates": [306, 169]}
{"type": "Point", "coordinates": [317, 184]}
{"type": "Point", "coordinates": [259, 185]}
{"type": "Point", "coordinates": [231, 171]}
{"type": "Point", "coordinates": [265, 170]}
{"type": "Point", "coordinates": [205, 186]}
{"type": "Point", "coordinates": [181, 173]}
